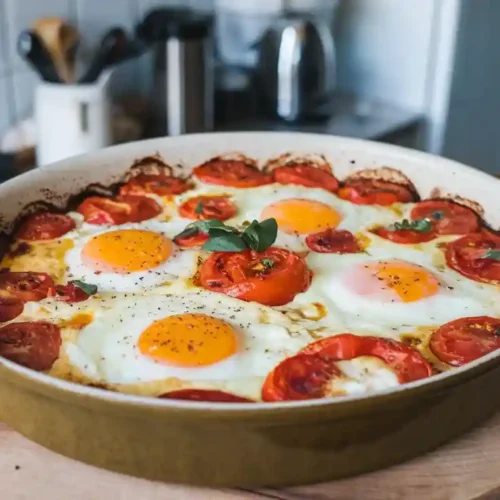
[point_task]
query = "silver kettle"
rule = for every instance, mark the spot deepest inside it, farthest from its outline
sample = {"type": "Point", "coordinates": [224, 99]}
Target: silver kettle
{"type": "Point", "coordinates": [297, 67]}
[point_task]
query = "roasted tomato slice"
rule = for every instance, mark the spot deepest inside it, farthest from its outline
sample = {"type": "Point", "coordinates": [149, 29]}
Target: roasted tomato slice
{"type": "Point", "coordinates": [333, 241]}
{"type": "Point", "coordinates": [45, 226]}
{"type": "Point", "coordinates": [476, 256]}
{"type": "Point", "coordinates": [26, 286]}
{"type": "Point", "coordinates": [205, 395]}
{"type": "Point", "coordinates": [408, 364]}
{"type": "Point", "coordinates": [374, 192]}
{"type": "Point", "coordinates": [447, 217]}
{"type": "Point", "coordinates": [404, 236]}
{"type": "Point", "coordinates": [306, 175]}
{"type": "Point", "coordinates": [34, 344]}
{"type": "Point", "coordinates": [208, 207]}
{"type": "Point", "coordinates": [122, 209]}
{"type": "Point", "coordinates": [306, 375]}
{"type": "Point", "coordinates": [272, 277]}
{"type": "Point", "coordinates": [234, 173]}
{"type": "Point", "coordinates": [299, 377]}
{"type": "Point", "coordinates": [70, 293]}
{"type": "Point", "coordinates": [10, 308]}
{"type": "Point", "coordinates": [466, 339]}
{"type": "Point", "coordinates": [162, 184]}
{"type": "Point", "coordinates": [191, 238]}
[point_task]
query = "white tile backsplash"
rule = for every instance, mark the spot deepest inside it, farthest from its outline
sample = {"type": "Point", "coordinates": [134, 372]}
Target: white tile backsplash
{"type": "Point", "coordinates": [5, 104]}
{"type": "Point", "coordinates": [4, 60]}
{"type": "Point", "coordinates": [146, 5]}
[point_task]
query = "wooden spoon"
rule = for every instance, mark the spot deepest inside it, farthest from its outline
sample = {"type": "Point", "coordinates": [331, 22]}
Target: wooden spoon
{"type": "Point", "coordinates": [60, 39]}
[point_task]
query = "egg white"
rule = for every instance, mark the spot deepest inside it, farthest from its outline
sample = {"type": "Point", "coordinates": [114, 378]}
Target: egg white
{"type": "Point", "coordinates": [361, 375]}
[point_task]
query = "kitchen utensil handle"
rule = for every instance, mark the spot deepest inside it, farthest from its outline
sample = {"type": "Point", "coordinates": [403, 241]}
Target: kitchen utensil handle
{"type": "Point", "coordinates": [288, 73]}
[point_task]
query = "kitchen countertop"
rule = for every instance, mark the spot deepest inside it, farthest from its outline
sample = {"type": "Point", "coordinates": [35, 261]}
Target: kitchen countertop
{"type": "Point", "coordinates": [466, 469]}
{"type": "Point", "coordinates": [352, 117]}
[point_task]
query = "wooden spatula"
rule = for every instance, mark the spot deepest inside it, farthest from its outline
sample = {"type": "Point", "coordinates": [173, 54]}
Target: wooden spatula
{"type": "Point", "coordinates": [60, 39]}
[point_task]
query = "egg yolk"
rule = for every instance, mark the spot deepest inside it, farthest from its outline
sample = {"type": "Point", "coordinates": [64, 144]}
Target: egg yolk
{"type": "Point", "coordinates": [391, 281]}
{"type": "Point", "coordinates": [126, 250]}
{"type": "Point", "coordinates": [302, 216]}
{"type": "Point", "coordinates": [78, 321]}
{"type": "Point", "coordinates": [188, 340]}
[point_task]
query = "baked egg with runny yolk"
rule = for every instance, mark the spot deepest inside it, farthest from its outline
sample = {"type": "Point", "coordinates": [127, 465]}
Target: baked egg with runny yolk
{"type": "Point", "coordinates": [132, 258]}
{"type": "Point", "coordinates": [189, 338]}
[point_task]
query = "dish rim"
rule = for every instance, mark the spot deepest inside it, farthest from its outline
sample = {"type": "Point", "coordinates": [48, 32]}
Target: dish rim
{"type": "Point", "coordinates": [86, 394]}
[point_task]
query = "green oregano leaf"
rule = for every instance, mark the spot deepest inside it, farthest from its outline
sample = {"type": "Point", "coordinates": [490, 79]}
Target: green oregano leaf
{"type": "Point", "coordinates": [88, 288]}
{"type": "Point", "coordinates": [199, 208]}
{"type": "Point", "coordinates": [203, 226]}
{"type": "Point", "coordinates": [267, 263]}
{"type": "Point", "coordinates": [419, 225]}
{"type": "Point", "coordinates": [259, 236]}
{"type": "Point", "coordinates": [491, 254]}
{"type": "Point", "coordinates": [222, 241]}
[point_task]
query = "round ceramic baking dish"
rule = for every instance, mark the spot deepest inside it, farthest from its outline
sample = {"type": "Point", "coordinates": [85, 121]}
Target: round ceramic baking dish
{"type": "Point", "coordinates": [274, 444]}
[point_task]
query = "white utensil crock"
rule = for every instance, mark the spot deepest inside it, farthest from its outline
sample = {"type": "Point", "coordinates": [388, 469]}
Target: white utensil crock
{"type": "Point", "coordinates": [71, 119]}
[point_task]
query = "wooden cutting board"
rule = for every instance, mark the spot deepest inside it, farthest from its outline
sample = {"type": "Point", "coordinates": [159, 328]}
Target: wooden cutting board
{"type": "Point", "coordinates": [466, 469]}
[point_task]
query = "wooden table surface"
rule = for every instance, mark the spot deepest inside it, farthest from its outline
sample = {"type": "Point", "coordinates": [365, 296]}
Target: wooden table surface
{"type": "Point", "coordinates": [468, 468]}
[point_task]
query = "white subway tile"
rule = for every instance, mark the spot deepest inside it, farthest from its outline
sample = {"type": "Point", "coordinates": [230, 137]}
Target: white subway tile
{"type": "Point", "coordinates": [5, 105]}
{"type": "Point", "coordinates": [4, 58]}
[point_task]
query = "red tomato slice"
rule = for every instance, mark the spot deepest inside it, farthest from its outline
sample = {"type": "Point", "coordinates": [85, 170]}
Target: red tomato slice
{"type": "Point", "coordinates": [45, 226]}
{"type": "Point", "coordinates": [272, 277]}
{"type": "Point", "coordinates": [299, 377]}
{"type": "Point", "coordinates": [208, 207]}
{"type": "Point", "coordinates": [34, 344]}
{"type": "Point", "coordinates": [408, 364]}
{"type": "Point", "coordinates": [374, 192]}
{"type": "Point", "coordinates": [191, 239]}
{"type": "Point", "coordinates": [306, 175]}
{"type": "Point", "coordinates": [70, 293]}
{"type": "Point", "coordinates": [235, 173]}
{"type": "Point", "coordinates": [123, 209]}
{"type": "Point", "coordinates": [205, 395]}
{"type": "Point", "coordinates": [447, 217]}
{"type": "Point", "coordinates": [306, 375]}
{"type": "Point", "coordinates": [26, 286]}
{"type": "Point", "coordinates": [333, 241]}
{"type": "Point", "coordinates": [468, 256]}
{"type": "Point", "coordinates": [162, 184]}
{"type": "Point", "coordinates": [404, 236]}
{"type": "Point", "coordinates": [466, 339]}
{"type": "Point", "coordinates": [10, 308]}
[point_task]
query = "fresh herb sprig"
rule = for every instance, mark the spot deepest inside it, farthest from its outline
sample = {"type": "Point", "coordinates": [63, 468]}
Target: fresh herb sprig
{"type": "Point", "coordinates": [88, 288]}
{"type": "Point", "coordinates": [419, 225]}
{"type": "Point", "coordinates": [257, 236]}
{"type": "Point", "coordinates": [491, 254]}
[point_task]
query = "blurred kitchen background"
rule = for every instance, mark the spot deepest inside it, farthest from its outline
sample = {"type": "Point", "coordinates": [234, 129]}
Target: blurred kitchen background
{"type": "Point", "coordinates": [420, 73]}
